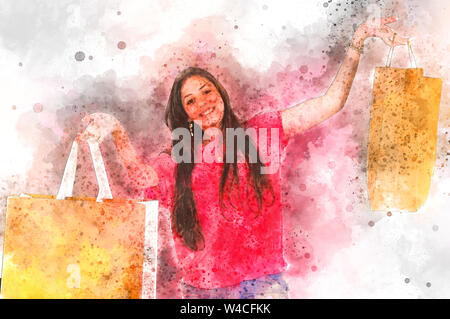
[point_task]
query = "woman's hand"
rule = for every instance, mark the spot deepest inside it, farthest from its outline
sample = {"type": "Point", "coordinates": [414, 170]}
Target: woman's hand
{"type": "Point", "coordinates": [377, 27]}
{"type": "Point", "coordinates": [99, 125]}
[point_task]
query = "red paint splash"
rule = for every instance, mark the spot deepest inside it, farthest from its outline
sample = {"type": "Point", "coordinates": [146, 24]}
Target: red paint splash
{"type": "Point", "coordinates": [121, 45]}
{"type": "Point", "coordinates": [38, 107]}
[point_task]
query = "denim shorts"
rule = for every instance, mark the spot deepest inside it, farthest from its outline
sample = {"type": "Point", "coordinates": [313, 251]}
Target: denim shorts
{"type": "Point", "coordinates": [265, 287]}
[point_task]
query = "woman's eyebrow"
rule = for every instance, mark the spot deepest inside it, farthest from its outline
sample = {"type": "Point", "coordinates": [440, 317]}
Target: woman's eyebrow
{"type": "Point", "coordinates": [198, 89]}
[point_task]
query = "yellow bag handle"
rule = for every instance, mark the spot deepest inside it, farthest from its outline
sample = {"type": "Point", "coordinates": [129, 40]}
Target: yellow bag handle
{"type": "Point", "coordinates": [410, 53]}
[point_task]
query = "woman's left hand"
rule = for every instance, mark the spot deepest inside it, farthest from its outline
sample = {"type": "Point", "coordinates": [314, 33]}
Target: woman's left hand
{"type": "Point", "coordinates": [377, 27]}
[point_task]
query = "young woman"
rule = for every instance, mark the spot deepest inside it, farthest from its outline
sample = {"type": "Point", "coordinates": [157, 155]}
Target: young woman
{"type": "Point", "coordinates": [226, 215]}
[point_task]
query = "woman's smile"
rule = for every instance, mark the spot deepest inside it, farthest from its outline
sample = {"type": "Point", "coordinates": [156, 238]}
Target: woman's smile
{"type": "Point", "coordinates": [208, 111]}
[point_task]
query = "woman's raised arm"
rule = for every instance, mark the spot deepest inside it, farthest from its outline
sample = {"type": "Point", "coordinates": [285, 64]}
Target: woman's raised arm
{"type": "Point", "coordinates": [302, 116]}
{"type": "Point", "coordinates": [102, 124]}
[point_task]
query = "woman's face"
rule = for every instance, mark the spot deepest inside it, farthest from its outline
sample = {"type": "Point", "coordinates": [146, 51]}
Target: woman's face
{"type": "Point", "coordinates": [202, 102]}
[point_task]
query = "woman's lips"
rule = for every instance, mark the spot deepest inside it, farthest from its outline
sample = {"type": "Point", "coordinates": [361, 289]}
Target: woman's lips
{"type": "Point", "coordinates": [208, 111]}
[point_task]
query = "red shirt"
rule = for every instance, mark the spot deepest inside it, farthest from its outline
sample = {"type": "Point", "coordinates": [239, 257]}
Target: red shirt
{"type": "Point", "coordinates": [239, 244]}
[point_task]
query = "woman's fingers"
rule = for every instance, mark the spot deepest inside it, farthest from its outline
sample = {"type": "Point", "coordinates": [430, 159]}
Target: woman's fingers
{"type": "Point", "coordinates": [94, 117]}
{"type": "Point", "coordinates": [400, 41]}
{"type": "Point", "coordinates": [86, 119]}
{"type": "Point", "coordinates": [390, 37]}
{"type": "Point", "coordinates": [388, 20]}
{"type": "Point", "coordinates": [386, 34]}
{"type": "Point", "coordinates": [99, 125]}
{"type": "Point", "coordinates": [83, 137]}
{"type": "Point", "coordinates": [391, 40]}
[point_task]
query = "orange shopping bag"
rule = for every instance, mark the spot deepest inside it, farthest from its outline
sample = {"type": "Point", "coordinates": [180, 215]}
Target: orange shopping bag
{"type": "Point", "coordinates": [402, 137]}
{"type": "Point", "coordinates": [75, 247]}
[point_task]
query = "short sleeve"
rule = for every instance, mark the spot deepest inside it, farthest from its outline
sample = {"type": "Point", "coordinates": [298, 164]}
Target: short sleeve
{"type": "Point", "coordinates": [165, 168]}
{"type": "Point", "coordinates": [269, 120]}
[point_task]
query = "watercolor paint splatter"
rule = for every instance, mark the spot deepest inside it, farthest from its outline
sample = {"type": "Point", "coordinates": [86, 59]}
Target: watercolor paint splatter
{"type": "Point", "coordinates": [38, 107]}
{"type": "Point", "coordinates": [121, 45]}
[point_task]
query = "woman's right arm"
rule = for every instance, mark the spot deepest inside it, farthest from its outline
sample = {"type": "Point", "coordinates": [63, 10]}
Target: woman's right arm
{"type": "Point", "coordinates": [302, 116]}
{"type": "Point", "coordinates": [143, 175]}
{"type": "Point", "coordinates": [101, 124]}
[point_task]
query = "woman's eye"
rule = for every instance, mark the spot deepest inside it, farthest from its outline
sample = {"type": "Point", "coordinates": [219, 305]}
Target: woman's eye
{"type": "Point", "coordinates": [207, 91]}
{"type": "Point", "coordinates": [190, 101]}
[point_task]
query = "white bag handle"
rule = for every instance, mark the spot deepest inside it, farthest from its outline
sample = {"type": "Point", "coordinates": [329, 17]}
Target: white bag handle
{"type": "Point", "coordinates": [68, 180]}
{"type": "Point", "coordinates": [411, 55]}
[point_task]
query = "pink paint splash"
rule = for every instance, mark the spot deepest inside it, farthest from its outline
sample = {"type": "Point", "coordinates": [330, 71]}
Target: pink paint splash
{"type": "Point", "coordinates": [38, 108]}
{"type": "Point", "coordinates": [319, 202]}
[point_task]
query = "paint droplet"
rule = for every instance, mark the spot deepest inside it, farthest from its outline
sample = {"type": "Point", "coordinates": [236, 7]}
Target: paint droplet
{"type": "Point", "coordinates": [20, 64]}
{"type": "Point", "coordinates": [119, 13]}
{"type": "Point", "coordinates": [304, 69]}
{"type": "Point", "coordinates": [407, 280]}
{"type": "Point", "coordinates": [389, 214]}
{"type": "Point", "coordinates": [435, 227]}
{"type": "Point", "coordinates": [302, 187]}
{"type": "Point", "coordinates": [313, 268]}
{"type": "Point", "coordinates": [371, 223]}
{"type": "Point", "coordinates": [235, 27]}
{"type": "Point", "coordinates": [265, 7]}
{"type": "Point", "coordinates": [325, 4]}
{"type": "Point", "coordinates": [91, 57]}
{"type": "Point", "coordinates": [38, 107]}
{"type": "Point", "coordinates": [349, 208]}
{"type": "Point", "coordinates": [307, 255]}
{"type": "Point", "coordinates": [428, 284]}
{"type": "Point", "coordinates": [79, 56]}
{"type": "Point", "coordinates": [14, 107]}
{"type": "Point", "coordinates": [121, 45]}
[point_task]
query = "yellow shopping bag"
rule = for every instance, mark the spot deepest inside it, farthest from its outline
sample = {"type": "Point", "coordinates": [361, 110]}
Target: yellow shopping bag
{"type": "Point", "coordinates": [402, 137]}
{"type": "Point", "coordinates": [73, 247]}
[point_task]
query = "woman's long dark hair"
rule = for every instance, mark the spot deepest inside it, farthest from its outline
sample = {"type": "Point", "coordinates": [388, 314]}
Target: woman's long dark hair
{"type": "Point", "coordinates": [184, 215]}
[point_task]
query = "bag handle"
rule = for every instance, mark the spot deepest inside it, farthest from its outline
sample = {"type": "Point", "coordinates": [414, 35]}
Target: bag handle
{"type": "Point", "coordinates": [66, 187]}
{"type": "Point", "coordinates": [410, 53]}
